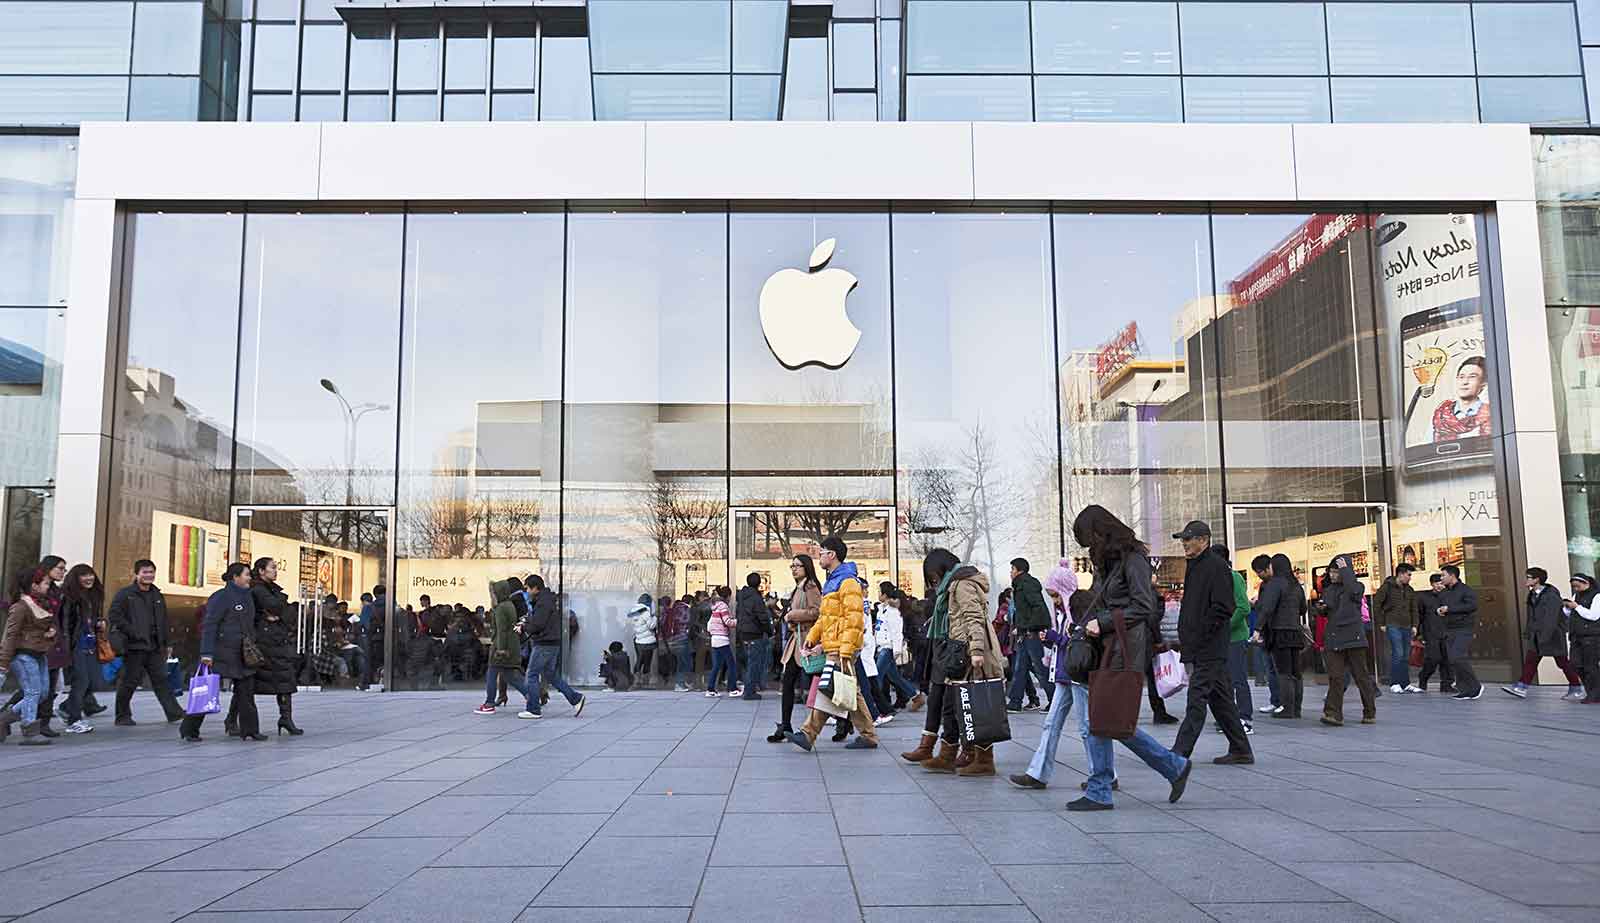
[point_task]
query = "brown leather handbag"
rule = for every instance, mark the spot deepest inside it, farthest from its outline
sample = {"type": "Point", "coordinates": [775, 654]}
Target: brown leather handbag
{"type": "Point", "coordinates": [1115, 692]}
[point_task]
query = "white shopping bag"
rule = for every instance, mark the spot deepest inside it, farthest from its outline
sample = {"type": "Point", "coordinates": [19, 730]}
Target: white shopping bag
{"type": "Point", "coordinates": [1171, 677]}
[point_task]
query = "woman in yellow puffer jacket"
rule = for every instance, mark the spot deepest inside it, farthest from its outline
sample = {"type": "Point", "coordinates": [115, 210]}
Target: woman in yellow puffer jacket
{"type": "Point", "coordinates": [838, 629]}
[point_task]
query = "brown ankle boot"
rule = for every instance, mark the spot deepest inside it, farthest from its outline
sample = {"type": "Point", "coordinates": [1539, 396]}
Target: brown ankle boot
{"type": "Point", "coordinates": [964, 758]}
{"type": "Point", "coordinates": [982, 763]}
{"type": "Point", "coordinates": [924, 749]}
{"type": "Point", "coordinates": [945, 761]}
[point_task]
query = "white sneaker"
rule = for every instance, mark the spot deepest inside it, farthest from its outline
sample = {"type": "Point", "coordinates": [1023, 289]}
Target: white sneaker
{"type": "Point", "coordinates": [711, 694]}
{"type": "Point", "coordinates": [1396, 688]}
{"type": "Point", "coordinates": [529, 714]}
{"type": "Point", "coordinates": [1277, 709]}
{"type": "Point", "coordinates": [881, 720]}
{"type": "Point", "coordinates": [1412, 689]}
{"type": "Point", "coordinates": [1249, 728]}
{"type": "Point", "coordinates": [78, 727]}
{"type": "Point", "coordinates": [1268, 709]}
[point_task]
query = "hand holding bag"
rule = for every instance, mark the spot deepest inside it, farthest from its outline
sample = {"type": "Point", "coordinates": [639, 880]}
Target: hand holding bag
{"type": "Point", "coordinates": [844, 690]}
{"type": "Point", "coordinates": [102, 649]}
{"type": "Point", "coordinates": [1171, 677]}
{"type": "Point", "coordinates": [205, 693]}
{"type": "Point", "coordinates": [818, 700]}
{"type": "Point", "coordinates": [981, 711]}
{"type": "Point", "coordinates": [1115, 692]}
{"type": "Point", "coordinates": [813, 663]}
{"type": "Point", "coordinates": [1417, 651]}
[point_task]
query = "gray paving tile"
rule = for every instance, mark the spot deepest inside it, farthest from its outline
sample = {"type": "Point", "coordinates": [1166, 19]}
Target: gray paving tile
{"type": "Point", "coordinates": [666, 815]}
{"type": "Point", "coordinates": [869, 815]}
{"type": "Point", "coordinates": [689, 781]}
{"type": "Point", "coordinates": [777, 797]}
{"type": "Point", "coordinates": [1285, 839]}
{"type": "Point", "coordinates": [631, 872]}
{"type": "Point", "coordinates": [1510, 874]}
{"type": "Point", "coordinates": [891, 871]}
{"type": "Point", "coordinates": [60, 836]}
{"type": "Point", "coordinates": [1202, 867]}
{"type": "Point", "coordinates": [868, 780]}
{"type": "Point", "coordinates": [1410, 893]}
{"type": "Point", "coordinates": [614, 768]}
{"type": "Point", "coordinates": [449, 769]}
{"type": "Point", "coordinates": [748, 895]}
{"type": "Point", "coordinates": [1293, 913]}
{"type": "Point", "coordinates": [1037, 838]}
{"type": "Point", "coordinates": [991, 914]}
{"type": "Point", "coordinates": [378, 798]}
{"type": "Point", "coordinates": [786, 839]}
{"type": "Point", "coordinates": [789, 765]}
{"type": "Point", "coordinates": [573, 796]}
{"type": "Point", "coordinates": [525, 840]}
{"type": "Point", "coordinates": [352, 878]}
{"type": "Point", "coordinates": [267, 916]}
{"type": "Point", "coordinates": [155, 897]}
{"type": "Point", "coordinates": [604, 914]}
{"type": "Point", "coordinates": [1114, 892]}
{"type": "Point", "coordinates": [446, 815]}
{"type": "Point", "coordinates": [44, 882]}
{"type": "Point", "coordinates": [45, 810]}
{"type": "Point", "coordinates": [275, 844]}
{"type": "Point", "coordinates": [646, 748]}
{"type": "Point", "coordinates": [467, 895]}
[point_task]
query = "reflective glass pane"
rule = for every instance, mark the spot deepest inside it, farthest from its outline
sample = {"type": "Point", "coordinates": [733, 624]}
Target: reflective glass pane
{"type": "Point", "coordinates": [321, 107]}
{"type": "Point", "coordinates": [1591, 79]}
{"type": "Point", "coordinates": [1256, 99]}
{"type": "Point", "coordinates": [564, 80]}
{"type": "Point", "coordinates": [755, 97]}
{"type": "Point", "coordinates": [46, 100]}
{"type": "Point", "coordinates": [1108, 99]}
{"type": "Point", "coordinates": [667, 35]}
{"type": "Point", "coordinates": [368, 107]}
{"type": "Point", "coordinates": [967, 36]}
{"type": "Point", "coordinates": [1367, 39]}
{"type": "Point", "coordinates": [1405, 99]}
{"type": "Point", "coordinates": [65, 38]}
{"type": "Point", "coordinates": [317, 412]}
{"type": "Point", "coordinates": [36, 218]}
{"type": "Point", "coordinates": [514, 48]}
{"type": "Point", "coordinates": [1138, 384]}
{"type": "Point", "coordinates": [758, 31]}
{"type": "Point", "coordinates": [277, 9]}
{"type": "Point", "coordinates": [513, 107]}
{"type": "Point", "coordinates": [1253, 38]}
{"type": "Point", "coordinates": [661, 96]}
{"type": "Point", "coordinates": [1535, 100]}
{"type": "Point", "coordinates": [211, 51]}
{"type": "Point", "coordinates": [321, 10]}
{"type": "Point", "coordinates": [854, 9]}
{"type": "Point", "coordinates": [164, 99]}
{"type": "Point", "coordinates": [968, 99]}
{"type": "Point", "coordinates": [855, 59]}
{"type": "Point", "coordinates": [417, 57]}
{"type": "Point", "coordinates": [855, 107]}
{"type": "Point", "coordinates": [889, 73]}
{"type": "Point", "coordinates": [1589, 21]}
{"type": "Point", "coordinates": [466, 107]}
{"type": "Point", "coordinates": [276, 52]}
{"type": "Point", "coordinates": [805, 90]}
{"type": "Point", "coordinates": [1525, 38]}
{"type": "Point", "coordinates": [166, 38]}
{"type": "Point", "coordinates": [272, 107]}
{"type": "Point", "coordinates": [416, 107]}
{"type": "Point", "coordinates": [1105, 38]}
{"type": "Point", "coordinates": [322, 58]}
{"type": "Point", "coordinates": [31, 343]}
{"type": "Point", "coordinates": [466, 56]}
{"type": "Point", "coordinates": [371, 56]}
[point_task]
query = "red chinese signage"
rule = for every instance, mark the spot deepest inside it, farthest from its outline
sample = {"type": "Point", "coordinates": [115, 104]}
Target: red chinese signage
{"type": "Point", "coordinates": [1114, 355]}
{"type": "Point", "coordinates": [1308, 241]}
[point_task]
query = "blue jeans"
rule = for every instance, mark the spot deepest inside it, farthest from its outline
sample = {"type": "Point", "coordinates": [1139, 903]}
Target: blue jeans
{"type": "Point", "coordinates": [1043, 764]}
{"type": "Point", "coordinates": [683, 653]}
{"type": "Point", "coordinates": [757, 661]}
{"type": "Point", "coordinates": [542, 664]}
{"type": "Point", "coordinates": [1239, 675]}
{"type": "Point", "coordinates": [889, 673]}
{"type": "Point", "coordinates": [31, 679]}
{"type": "Point", "coordinates": [1270, 672]}
{"type": "Point", "coordinates": [721, 662]}
{"type": "Point", "coordinates": [1147, 748]}
{"type": "Point", "coordinates": [1030, 659]}
{"type": "Point", "coordinates": [491, 683]}
{"type": "Point", "coordinates": [1399, 655]}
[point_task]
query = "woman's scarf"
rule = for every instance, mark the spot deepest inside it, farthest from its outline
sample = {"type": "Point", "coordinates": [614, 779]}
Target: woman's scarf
{"type": "Point", "coordinates": [939, 627]}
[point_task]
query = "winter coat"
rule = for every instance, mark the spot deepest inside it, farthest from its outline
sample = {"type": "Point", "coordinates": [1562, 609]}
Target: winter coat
{"type": "Point", "coordinates": [890, 630]}
{"type": "Point", "coordinates": [275, 636]}
{"type": "Point", "coordinates": [1206, 610]}
{"type": "Point", "coordinates": [505, 645]}
{"type": "Point", "coordinates": [80, 617]}
{"type": "Point", "coordinates": [1239, 625]}
{"type": "Point", "coordinates": [1462, 600]}
{"type": "Point", "coordinates": [544, 622]}
{"type": "Point", "coordinates": [230, 618]}
{"type": "Point", "coordinates": [1396, 605]}
{"type": "Point", "coordinates": [1061, 634]}
{"type": "Point", "coordinates": [753, 621]}
{"type": "Point", "coordinates": [1029, 611]}
{"type": "Point", "coordinates": [138, 620]}
{"type": "Point", "coordinates": [1547, 623]}
{"type": "Point", "coordinates": [29, 627]}
{"type": "Point", "coordinates": [804, 607]}
{"type": "Point", "coordinates": [1127, 585]}
{"type": "Point", "coordinates": [1282, 608]}
{"type": "Point", "coordinates": [868, 654]}
{"type": "Point", "coordinates": [1580, 626]}
{"type": "Point", "coordinates": [644, 625]}
{"type": "Point", "coordinates": [969, 621]}
{"type": "Point", "coordinates": [839, 618]}
{"type": "Point", "coordinates": [1345, 631]}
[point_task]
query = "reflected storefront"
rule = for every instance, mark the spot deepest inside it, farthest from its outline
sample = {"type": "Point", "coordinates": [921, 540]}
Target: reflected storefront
{"type": "Point", "coordinates": [617, 399]}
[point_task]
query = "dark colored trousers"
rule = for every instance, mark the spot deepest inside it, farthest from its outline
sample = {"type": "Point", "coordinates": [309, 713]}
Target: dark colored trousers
{"type": "Point", "coordinates": [1158, 706]}
{"type": "Point", "coordinates": [1586, 651]}
{"type": "Point", "coordinates": [1030, 660]}
{"type": "Point", "coordinates": [1209, 687]}
{"type": "Point", "coordinates": [1291, 685]}
{"type": "Point", "coordinates": [942, 711]}
{"type": "Point", "coordinates": [645, 653]}
{"type": "Point", "coordinates": [796, 683]}
{"type": "Point", "coordinates": [244, 703]}
{"type": "Point", "coordinates": [1356, 661]}
{"type": "Point", "coordinates": [85, 664]}
{"type": "Point", "coordinates": [1460, 643]}
{"type": "Point", "coordinates": [135, 666]}
{"type": "Point", "coordinates": [919, 667]}
{"type": "Point", "coordinates": [1436, 656]}
{"type": "Point", "coordinates": [1530, 669]}
{"type": "Point", "coordinates": [1239, 676]}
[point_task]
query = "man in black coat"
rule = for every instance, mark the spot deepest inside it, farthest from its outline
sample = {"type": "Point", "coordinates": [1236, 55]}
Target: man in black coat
{"type": "Point", "coordinates": [1458, 606]}
{"type": "Point", "coordinates": [1030, 619]}
{"type": "Point", "coordinates": [1203, 628]}
{"type": "Point", "coordinates": [138, 627]}
{"type": "Point", "coordinates": [754, 626]}
{"type": "Point", "coordinates": [1435, 649]}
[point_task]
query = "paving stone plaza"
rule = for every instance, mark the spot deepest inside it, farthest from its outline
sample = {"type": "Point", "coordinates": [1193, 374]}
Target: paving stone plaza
{"type": "Point", "coordinates": [668, 807]}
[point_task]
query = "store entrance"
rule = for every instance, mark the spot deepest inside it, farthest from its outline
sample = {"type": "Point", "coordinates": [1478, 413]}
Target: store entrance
{"type": "Point", "coordinates": [25, 513]}
{"type": "Point", "coordinates": [765, 539]}
{"type": "Point", "coordinates": [1312, 534]}
{"type": "Point", "coordinates": [327, 558]}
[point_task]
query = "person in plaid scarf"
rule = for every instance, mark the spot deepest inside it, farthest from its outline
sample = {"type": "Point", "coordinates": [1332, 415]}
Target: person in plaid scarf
{"type": "Point", "coordinates": [1466, 414]}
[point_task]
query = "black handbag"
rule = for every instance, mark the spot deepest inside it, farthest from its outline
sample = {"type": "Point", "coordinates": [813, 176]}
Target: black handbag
{"type": "Point", "coordinates": [952, 661]}
{"type": "Point", "coordinates": [1083, 656]}
{"type": "Point", "coordinates": [981, 711]}
{"type": "Point", "coordinates": [251, 654]}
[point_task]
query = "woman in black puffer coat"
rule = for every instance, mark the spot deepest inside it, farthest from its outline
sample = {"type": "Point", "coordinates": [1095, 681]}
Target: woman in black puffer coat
{"type": "Point", "coordinates": [275, 636]}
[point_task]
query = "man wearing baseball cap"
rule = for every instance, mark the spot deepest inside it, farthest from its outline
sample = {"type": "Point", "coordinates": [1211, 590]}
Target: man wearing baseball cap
{"type": "Point", "coordinates": [1203, 620]}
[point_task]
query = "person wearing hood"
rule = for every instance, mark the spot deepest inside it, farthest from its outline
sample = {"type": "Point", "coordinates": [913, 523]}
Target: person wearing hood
{"type": "Point", "coordinates": [938, 567]}
{"type": "Point", "coordinates": [839, 626]}
{"type": "Point", "coordinates": [1059, 588]}
{"type": "Point", "coordinates": [544, 646]}
{"type": "Point", "coordinates": [753, 627]}
{"type": "Point", "coordinates": [1546, 636]}
{"type": "Point", "coordinates": [968, 608]}
{"type": "Point", "coordinates": [1204, 619]}
{"type": "Point", "coordinates": [505, 643]}
{"type": "Point", "coordinates": [720, 627]}
{"type": "Point", "coordinates": [230, 621]}
{"type": "Point", "coordinates": [1584, 631]}
{"type": "Point", "coordinates": [1280, 627]}
{"type": "Point", "coordinates": [1344, 644]}
{"type": "Point", "coordinates": [644, 620]}
{"type": "Point", "coordinates": [275, 636]}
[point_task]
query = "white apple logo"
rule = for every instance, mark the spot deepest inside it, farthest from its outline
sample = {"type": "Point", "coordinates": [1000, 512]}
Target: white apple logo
{"type": "Point", "coordinates": [803, 316]}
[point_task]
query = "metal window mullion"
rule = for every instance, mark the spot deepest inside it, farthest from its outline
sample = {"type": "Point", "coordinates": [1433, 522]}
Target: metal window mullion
{"type": "Point", "coordinates": [394, 64]}
{"type": "Point", "coordinates": [299, 54]}
{"type": "Point", "coordinates": [488, 74]}
{"type": "Point", "coordinates": [438, 77]}
{"type": "Point", "coordinates": [538, 76]}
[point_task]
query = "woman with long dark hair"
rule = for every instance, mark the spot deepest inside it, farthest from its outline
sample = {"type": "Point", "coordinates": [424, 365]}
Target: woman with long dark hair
{"type": "Point", "coordinates": [937, 568]}
{"type": "Point", "coordinates": [30, 633]}
{"type": "Point", "coordinates": [1122, 581]}
{"type": "Point", "coordinates": [1281, 610]}
{"type": "Point", "coordinates": [275, 637]}
{"type": "Point", "coordinates": [82, 616]}
{"type": "Point", "coordinates": [58, 657]}
{"type": "Point", "coordinates": [805, 604]}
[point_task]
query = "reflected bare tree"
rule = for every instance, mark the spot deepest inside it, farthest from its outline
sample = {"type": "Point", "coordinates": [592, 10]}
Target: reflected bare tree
{"type": "Point", "coordinates": [682, 523]}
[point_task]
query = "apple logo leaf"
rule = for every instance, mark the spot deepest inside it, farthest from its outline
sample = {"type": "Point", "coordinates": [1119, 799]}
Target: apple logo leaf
{"type": "Point", "coordinates": [823, 253]}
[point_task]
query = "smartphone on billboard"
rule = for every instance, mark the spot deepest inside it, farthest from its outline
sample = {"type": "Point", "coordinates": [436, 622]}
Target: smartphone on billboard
{"type": "Point", "coordinates": [1444, 383]}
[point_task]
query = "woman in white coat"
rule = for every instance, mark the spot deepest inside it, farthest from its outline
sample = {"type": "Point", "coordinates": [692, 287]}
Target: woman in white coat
{"type": "Point", "coordinates": [644, 621]}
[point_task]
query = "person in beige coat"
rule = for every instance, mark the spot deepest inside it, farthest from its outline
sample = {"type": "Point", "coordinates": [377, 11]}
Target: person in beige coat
{"type": "Point", "coordinates": [961, 613]}
{"type": "Point", "coordinates": [804, 606]}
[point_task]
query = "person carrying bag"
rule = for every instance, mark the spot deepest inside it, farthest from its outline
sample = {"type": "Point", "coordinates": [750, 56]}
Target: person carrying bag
{"type": "Point", "coordinates": [1115, 691]}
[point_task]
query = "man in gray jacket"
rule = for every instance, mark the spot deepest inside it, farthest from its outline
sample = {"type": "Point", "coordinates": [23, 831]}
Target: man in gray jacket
{"type": "Point", "coordinates": [1458, 606]}
{"type": "Point", "coordinates": [1344, 644]}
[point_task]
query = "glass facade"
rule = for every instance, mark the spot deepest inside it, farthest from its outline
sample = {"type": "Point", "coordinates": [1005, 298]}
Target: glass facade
{"type": "Point", "coordinates": [958, 382]}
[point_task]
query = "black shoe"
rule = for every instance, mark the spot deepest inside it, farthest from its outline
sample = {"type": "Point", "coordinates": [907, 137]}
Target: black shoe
{"type": "Point", "coordinates": [840, 735]}
{"type": "Point", "coordinates": [125, 723]}
{"type": "Point", "coordinates": [1164, 718]}
{"type": "Point", "coordinates": [1180, 783]}
{"type": "Point", "coordinates": [1235, 759]}
{"type": "Point", "coordinates": [1086, 804]}
{"type": "Point", "coordinates": [90, 711]}
{"type": "Point", "coordinates": [189, 738]}
{"type": "Point", "coordinates": [1116, 785]}
{"type": "Point", "coordinates": [1023, 780]}
{"type": "Point", "coordinates": [47, 731]}
{"type": "Point", "coordinates": [780, 735]}
{"type": "Point", "coordinates": [252, 737]}
{"type": "Point", "coordinates": [230, 726]}
{"type": "Point", "coordinates": [287, 726]}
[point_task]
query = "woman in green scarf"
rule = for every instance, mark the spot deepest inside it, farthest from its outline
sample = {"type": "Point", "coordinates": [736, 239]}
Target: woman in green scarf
{"type": "Point", "coordinates": [937, 570]}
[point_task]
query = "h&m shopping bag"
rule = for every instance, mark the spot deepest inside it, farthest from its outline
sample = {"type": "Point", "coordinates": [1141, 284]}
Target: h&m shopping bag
{"type": "Point", "coordinates": [981, 711]}
{"type": "Point", "coordinates": [1171, 677]}
{"type": "Point", "coordinates": [205, 693]}
{"type": "Point", "coordinates": [821, 702]}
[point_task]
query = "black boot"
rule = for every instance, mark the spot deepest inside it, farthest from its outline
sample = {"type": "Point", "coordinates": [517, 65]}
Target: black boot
{"type": "Point", "coordinates": [1299, 694]}
{"type": "Point", "coordinates": [230, 724]}
{"type": "Point", "coordinates": [780, 735]}
{"type": "Point", "coordinates": [1287, 698]}
{"type": "Point", "coordinates": [286, 716]}
{"type": "Point", "coordinates": [45, 728]}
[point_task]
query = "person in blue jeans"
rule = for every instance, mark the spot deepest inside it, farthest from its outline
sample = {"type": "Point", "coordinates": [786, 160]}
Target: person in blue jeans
{"type": "Point", "coordinates": [1396, 610]}
{"type": "Point", "coordinates": [1030, 619]}
{"type": "Point", "coordinates": [544, 637]}
{"type": "Point", "coordinates": [1065, 632]}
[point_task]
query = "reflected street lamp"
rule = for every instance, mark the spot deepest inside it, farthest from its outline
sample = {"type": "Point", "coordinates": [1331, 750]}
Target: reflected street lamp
{"type": "Point", "coordinates": [352, 416]}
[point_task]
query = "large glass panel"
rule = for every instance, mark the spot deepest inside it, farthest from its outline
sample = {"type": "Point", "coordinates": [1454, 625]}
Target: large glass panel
{"type": "Point", "coordinates": [1526, 38]}
{"type": "Point", "coordinates": [417, 56]}
{"type": "Point", "coordinates": [766, 540]}
{"type": "Point", "coordinates": [322, 58]}
{"type": "Point", "coordinates": [1536, 100]}
{"type": "Point", "coordinates": [318, 366]}
{"type": "Point", "coordinates": [466, 107]}
{"type": "Point", "coordinates": [367, 107]}
{"type": "Point", "coordinates": [1366, 39]}
{"type": "Point", "coordinates": [564, 88]}
{"type": "Point", "coordinates": [1567, 183]}
{"type": "Point", "coordinates": [466, 56]}
{"type": "Point", "coordinates": [645, 493]}
{"type": "Point", "coordinates": [65, 38]}
{"type": "Point", "coordinates": [371, 57]}
{"type": "Point", "coordinates": [275, 107]}
{"type": "Point", "coordinates": [758, 31]}
{"type": "Point", "coordinates": [1589, 25]}
{"type": "Point", "coordinates": [1107, 99]}
{"type": "Point", "coordinates": [320, 107]}
{"type": "Point", "coordinates": [889, 72]}
{"type": "Point", "coordinates": [514, 50]}
{"type": "Point", "coordinates": [662, 96]}
{"type": "Point", "coordinates": [967, 36]}
{"type": "Point", "coordinates": [977, 455]}
{"type": "Point", "coordinates": [855, 56]}
{"type": "Point", "coordinates": [1591, 79]}
{"type": "Point", "coordinates": [683, 36]}
{"type": "Point", "coordinates": [513, 107]}
{"type": "Point", "coordinates": [173, 424]}
{"type": "Point", "coordinates": [1105, 38]}
{"type": "Point", "coordinates": [416, 107]}
{"type": "Point", "coordinates": [1405, 99]}
{"type": "Point", "coordinates": [31, 341]}
{"type": "Point", "coordinates": [969, 99]}
{"type": "Point", "coordinates": [164, 99]}
{"type": "Point", "coordinates": [480, 441]}
{"type": "Point", "coordinates": [1295, 343]}
{"type": "Point", "coordinates": [805, 87]}
{"type": "Point", "coordinates": [29, 513]}
{"type": "Point", "coordinates": [755, 97]}
{"type": "Point", "coordinates": [45, 100]}
{"type": "Point", "coordinates": [166, 38]}
{"type": "Point", "coordinates": [855, 107]}
{"type": "Point", "coordinates": [1256, 99]}
{"type": "Point", "coordinates": [1231, 39]}
{"type": "Point", "coordinates": [809, 360]}
{"type": "Point", "coordinates": [36, 218]}
{"type": "Point", "coordinates": [1138, 385]}
{"type": "Point", "coordinates": [276, 52]}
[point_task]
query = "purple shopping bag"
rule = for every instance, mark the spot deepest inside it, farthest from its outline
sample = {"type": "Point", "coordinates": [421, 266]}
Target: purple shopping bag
{"type": "Point", "coordinates": [205, 693]}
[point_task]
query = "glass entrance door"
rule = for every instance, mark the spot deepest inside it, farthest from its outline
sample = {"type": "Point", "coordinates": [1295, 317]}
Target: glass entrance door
{"type": "Point", "coordinates": [1311, 535]}
{"type": "Point", "coordinates": [26, 511]}
{"type": "Point", "coordinates": [765, 539]}
{"type": "Point", "coordinates": [327, 558]}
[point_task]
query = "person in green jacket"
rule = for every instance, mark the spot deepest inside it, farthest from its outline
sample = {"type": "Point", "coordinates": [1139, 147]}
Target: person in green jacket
{"type": "Point", "coordinates": [505, 643]}
{"type": "Point", "coordinates": [1238, 643]}
{"type": "Point", "coordinates": [1030, 619]}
